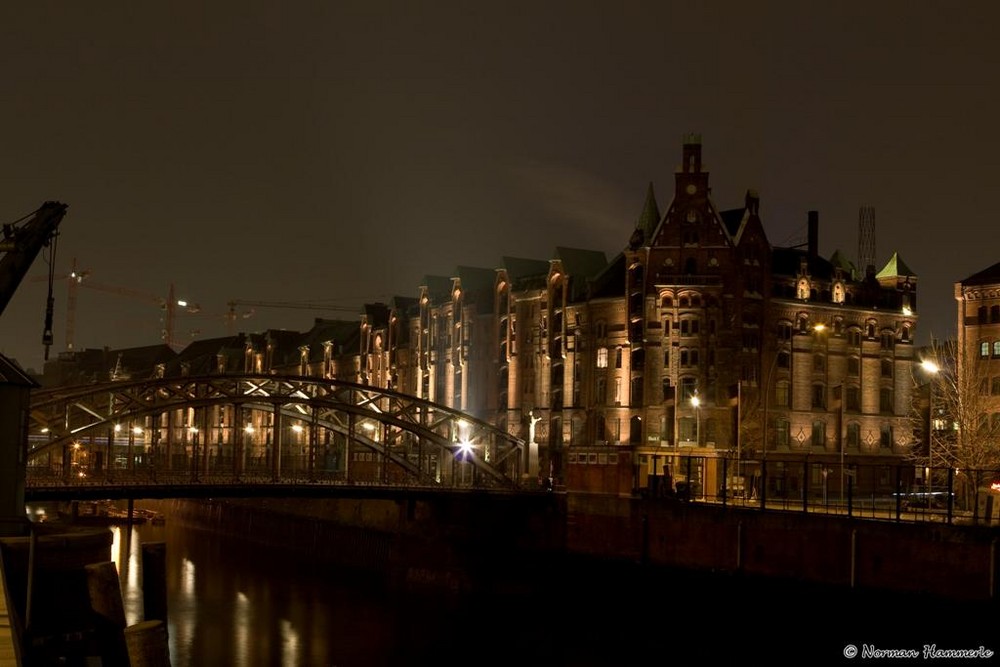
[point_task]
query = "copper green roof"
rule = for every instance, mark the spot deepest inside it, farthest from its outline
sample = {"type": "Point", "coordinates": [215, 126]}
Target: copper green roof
{"type": "Point", "coordinates": [650, 216]}
{"type": "Point", "coordinates": [894, 268]}
{"type": "Point", "coordinates": [840, 261]}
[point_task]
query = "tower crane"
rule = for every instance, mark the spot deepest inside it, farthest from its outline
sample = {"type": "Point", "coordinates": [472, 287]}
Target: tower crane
{"type": "Point", "coordinates": [81, 278]}
{"type": "Point", "coordinates": [232, 316]}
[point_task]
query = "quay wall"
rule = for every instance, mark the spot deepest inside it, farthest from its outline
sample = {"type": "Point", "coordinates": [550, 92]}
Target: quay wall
{"type": "Point", "coordinates": [957, 562]}
{"type": "Point", "coordinates": [459, 542]}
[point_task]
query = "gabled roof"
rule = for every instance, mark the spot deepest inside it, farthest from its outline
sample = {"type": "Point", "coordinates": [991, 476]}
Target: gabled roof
{"type": "Point", "coordinates": [344, 336]}
{"type": "Point", "coordinates": [895, 267]}
{"type": "Point", "coordinates": [438, 288]}
{"type": "Point", "coordinates": [787, 262]}
{"type": "Point", "coordinates": [839, 261]}
{"type": "Point", "coordinates": [611, 281]}
{"type": "Point", "coordinates": [477, 280]}
{"type": "Point", "coordinates": [518, 267]}
{"type": "Point", "coordinates": [12, 374]}
{"type": "Point", "coordinates": [988, 276]}
{"type": "Point", "coordinates": [581, 263]}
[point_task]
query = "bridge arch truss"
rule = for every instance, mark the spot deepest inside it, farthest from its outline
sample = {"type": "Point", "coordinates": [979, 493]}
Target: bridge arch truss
{"type": "Point", "coordinates": [266, 427]}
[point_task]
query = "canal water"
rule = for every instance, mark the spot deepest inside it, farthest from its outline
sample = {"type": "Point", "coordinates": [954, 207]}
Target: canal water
{"type": "Point", "coordinates": [235, 603]}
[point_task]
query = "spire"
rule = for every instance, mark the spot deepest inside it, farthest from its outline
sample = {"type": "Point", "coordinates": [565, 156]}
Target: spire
{"type": "Point", "coordinates": [650, 216]}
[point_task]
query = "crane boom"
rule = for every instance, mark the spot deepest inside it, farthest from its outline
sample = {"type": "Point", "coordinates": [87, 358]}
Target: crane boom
{"type": "Point", "coordinates": [302, 305]}
{"type": "Point", "coordinates": [22, 245]}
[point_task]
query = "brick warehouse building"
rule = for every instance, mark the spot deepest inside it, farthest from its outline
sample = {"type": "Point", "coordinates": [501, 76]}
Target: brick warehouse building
{"type": "Point", "coordinates": [596, 363]}
{"type": "Point", "coordinates": [592, 359]}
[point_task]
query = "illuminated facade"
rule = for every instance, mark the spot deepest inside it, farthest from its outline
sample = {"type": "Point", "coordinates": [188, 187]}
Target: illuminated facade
{"type": "Point", "coordinates": [591, 356]}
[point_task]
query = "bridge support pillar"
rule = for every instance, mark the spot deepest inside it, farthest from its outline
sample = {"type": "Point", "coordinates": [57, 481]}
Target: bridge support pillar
{"type": "Point", "coordinates": [532, 463]}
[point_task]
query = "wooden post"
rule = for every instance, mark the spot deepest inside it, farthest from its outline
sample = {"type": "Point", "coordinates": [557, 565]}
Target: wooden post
{"type": "Point", "coordinates": [154, 581]}
{"type": "Point", "coordinates": [106, 601]}
{"type": "Point", "coordinates": [147, 645]}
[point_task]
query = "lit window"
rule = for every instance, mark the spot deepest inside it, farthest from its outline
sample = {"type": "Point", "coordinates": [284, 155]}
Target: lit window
{"type": "Point", "coordinates": [984, 349]}
{"type": "Point", "coordinates": [602, 357]}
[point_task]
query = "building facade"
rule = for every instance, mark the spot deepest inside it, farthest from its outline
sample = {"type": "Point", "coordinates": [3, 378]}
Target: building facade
{"type": "Point", "coordinates": [699, 352]}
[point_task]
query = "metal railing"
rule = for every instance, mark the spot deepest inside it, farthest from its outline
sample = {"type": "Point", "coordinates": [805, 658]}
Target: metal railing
{"type": "Point", "coordinates": [898, 492]}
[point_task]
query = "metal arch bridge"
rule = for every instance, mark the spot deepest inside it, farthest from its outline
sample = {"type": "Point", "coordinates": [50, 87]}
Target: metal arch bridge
{"type": "Point", "coordinates": [257, 434]}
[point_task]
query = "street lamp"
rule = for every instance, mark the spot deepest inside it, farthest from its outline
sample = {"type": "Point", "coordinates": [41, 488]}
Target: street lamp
{"type": "Point", "coordinates": [696, 403]}
{"type": "Point", "coordinates": [932, 369]}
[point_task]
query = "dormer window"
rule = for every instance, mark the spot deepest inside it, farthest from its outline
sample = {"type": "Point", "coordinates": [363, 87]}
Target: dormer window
{"type": "Point", "coordinates": [802, 289]}
{"type": "Point", "coordinates": [838, 292]}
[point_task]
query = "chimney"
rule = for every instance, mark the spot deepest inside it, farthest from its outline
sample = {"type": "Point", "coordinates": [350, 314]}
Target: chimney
{"type": "Point", "coordinates": [813, 234]}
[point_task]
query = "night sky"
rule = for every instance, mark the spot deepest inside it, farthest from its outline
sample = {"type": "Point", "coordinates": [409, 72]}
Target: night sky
{"type": "Point", "coordinates": [343, 150]}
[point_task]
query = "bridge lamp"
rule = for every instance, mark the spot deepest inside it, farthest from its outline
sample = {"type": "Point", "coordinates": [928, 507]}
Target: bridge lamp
{"type": "Point", "coordinates": [44, 430]}
{"type": "Point", "coordinates": [368, 426]}
{"type": "Point", "coordinates": [297, 428]}
{"type": "Point", "coordinates": [464, 449]}
{"type": "Point", "coordinates": [192, 429]}
{"type": "Point", "coordinates": [248, 428]}
{"type": "Point", "coordinates": [118, 428]}
{"type": "Point", "coordinates": [137, 430]}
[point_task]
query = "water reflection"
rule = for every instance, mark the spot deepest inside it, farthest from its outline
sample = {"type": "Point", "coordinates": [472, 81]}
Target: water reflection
{"type": "Point", "coordinates": [234, 604]}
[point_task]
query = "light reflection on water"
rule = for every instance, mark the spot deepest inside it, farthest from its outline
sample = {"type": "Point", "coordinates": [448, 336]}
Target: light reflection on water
{"type": "Point", "coordinates": [230, 603]}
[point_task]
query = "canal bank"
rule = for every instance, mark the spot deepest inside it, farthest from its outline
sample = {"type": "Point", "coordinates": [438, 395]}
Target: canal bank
{"type": "Point", "coordinates": [568, 609]}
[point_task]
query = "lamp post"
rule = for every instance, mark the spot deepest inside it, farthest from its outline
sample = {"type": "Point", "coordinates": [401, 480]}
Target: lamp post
{"type": "Point", "coordinates": [932, 369]}
{"type": "Point", "coordinates": [696, 403]}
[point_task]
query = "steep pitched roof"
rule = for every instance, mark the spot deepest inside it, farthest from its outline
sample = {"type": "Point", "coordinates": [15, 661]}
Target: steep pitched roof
{"type": "Point", "coordinates": [611, 281]}
{"type": "Point", "coordinates": [12, 374]}
{"type": "Point", "coordinates": [477, 280]}
{"type": "Point", "coordinates": [840, 261]}
{"type": "Point", "coordinates": [344, 335]}
{"type": "Point", "coordinates": [438, 287]}
{"type": "Point", "coordinates": [650, 216]}
{"type": "Point", "coordinates": [518, 267]}
{"type": "Point", "coordinates": [987, 276]}
{"type": "Point", "coordinates": [581, 263]}
{"type": "Point", "coordinates": [895, 267]}
{"type": "Point", "coordinates": [786, 262]}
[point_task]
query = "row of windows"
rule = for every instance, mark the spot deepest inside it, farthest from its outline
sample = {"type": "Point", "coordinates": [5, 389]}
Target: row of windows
{"type": "Point", "coordinates": [985, 347]}
{"type": "Point", "coordinates": [994, 315]}
{"type": "Point", "coordinates": [887, 339]}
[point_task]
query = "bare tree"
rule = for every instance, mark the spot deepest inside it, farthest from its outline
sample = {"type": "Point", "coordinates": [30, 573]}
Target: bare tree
{"type": "Point", "coordinates": [964, 423]}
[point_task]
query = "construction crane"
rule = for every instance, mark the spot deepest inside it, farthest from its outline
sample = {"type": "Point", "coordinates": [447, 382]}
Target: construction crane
{"type": "Point", "coordinates": [301, 305]}
{"type": "Point", "coordinates": [81, 278]}
{"type": "Point", "coordinates": [21, 243]}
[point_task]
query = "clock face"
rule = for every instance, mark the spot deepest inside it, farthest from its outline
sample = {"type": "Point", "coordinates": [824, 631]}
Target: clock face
{"type": "Point", "coordinates": [691, 189]}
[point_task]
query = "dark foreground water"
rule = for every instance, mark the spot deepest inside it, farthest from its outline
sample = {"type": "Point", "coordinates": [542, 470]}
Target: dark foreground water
{"type": "Point", "coordinates": [233, 603]}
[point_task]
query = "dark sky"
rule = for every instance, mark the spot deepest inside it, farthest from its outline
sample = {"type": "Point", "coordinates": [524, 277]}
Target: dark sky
{"type": "Point", "coordinates": [342, 150]}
